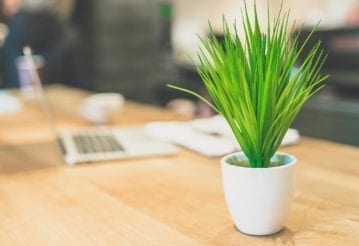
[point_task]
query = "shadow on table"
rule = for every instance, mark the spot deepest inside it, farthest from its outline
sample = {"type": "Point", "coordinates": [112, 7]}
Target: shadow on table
{"type": "Point", "coordinates": [26, 157]}
{"type": "Point", "coordinates": [231, 235]}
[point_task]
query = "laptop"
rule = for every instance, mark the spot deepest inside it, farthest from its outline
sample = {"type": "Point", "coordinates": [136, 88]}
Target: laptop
{"type": "Point", "coordinates": [95, 144]}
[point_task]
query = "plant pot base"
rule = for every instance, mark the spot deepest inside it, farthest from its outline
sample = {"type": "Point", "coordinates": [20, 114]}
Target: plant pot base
{"type": "Point", "coordinates": [259, 234]}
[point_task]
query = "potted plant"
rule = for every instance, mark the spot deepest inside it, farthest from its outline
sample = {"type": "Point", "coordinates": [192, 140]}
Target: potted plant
{"type": "Point", "coordinates": [252, 84]}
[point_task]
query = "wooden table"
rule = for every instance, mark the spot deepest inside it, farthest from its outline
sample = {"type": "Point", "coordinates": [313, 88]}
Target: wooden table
{"type": "Point", "coordinates": [174, 200]}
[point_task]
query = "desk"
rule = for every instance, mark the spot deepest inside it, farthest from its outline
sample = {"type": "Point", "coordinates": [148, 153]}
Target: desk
{"type": "Point", "coordinates": [174, 200]}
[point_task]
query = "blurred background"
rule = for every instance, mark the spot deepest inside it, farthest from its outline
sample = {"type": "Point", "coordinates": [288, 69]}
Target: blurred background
{"type": "Point", "coordinates": [136, 47]}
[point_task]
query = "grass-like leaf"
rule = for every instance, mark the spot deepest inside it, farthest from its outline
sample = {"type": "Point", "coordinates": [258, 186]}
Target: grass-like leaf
{"type": "Point", "coordinates": [252, 84]}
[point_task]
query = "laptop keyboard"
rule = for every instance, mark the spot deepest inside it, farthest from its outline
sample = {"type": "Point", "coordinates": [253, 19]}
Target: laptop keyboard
{"type": "Point", "coordinates": [96, 143]}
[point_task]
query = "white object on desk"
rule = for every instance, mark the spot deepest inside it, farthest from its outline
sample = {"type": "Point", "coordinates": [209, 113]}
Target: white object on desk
{"type": "Point", "coordinates": [185, 135]}
{"type": "Point", "coordinates": [100, 108]}
{"type": "Point", "coordinates": [8, 103]}
{"type": "Point", "coordinates": [210, 137]}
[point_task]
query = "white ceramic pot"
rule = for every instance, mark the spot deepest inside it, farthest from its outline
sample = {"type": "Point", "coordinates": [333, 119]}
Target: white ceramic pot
{"type": "Point", "coordinates": [258, 199]}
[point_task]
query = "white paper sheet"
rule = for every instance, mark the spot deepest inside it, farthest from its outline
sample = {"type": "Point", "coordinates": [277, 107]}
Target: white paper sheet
{"type": "Point", "coordinates": [210, 137]}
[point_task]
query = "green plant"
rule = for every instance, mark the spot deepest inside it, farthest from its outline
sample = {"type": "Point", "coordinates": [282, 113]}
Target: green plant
{"type": "Point", "coordinates": [252, 84]}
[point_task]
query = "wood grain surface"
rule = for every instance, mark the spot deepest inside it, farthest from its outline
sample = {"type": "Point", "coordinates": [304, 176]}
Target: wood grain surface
{"type": "Point", "coordinates": [176, 200]}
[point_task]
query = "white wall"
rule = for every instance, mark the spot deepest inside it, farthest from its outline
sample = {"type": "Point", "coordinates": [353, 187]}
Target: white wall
{"type": "Point", "coordinates": [191, 17]}
{"type": "Point", "coordinates": [331, 13]}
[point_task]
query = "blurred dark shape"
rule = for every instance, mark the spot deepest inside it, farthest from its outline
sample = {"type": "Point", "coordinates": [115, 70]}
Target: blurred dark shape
{"type": "Point", "coordinates": [164, 26]}
{"type": "Point", "coordinates": [58, 42]}
{"type": "Point", "coordinates": [186, 76]}
{"type": "Point", "coordinates": [333, 113]}
{"type": "Point", "coordinates": [342, 47]}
